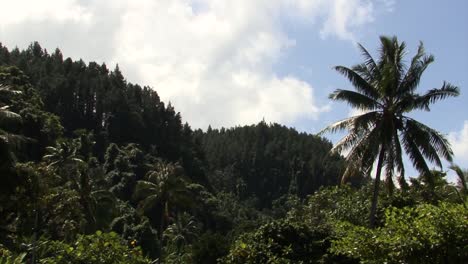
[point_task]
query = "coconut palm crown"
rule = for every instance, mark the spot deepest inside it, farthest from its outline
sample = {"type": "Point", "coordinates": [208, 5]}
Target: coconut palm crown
{"type": "Point", "coordinates": [385, 91]}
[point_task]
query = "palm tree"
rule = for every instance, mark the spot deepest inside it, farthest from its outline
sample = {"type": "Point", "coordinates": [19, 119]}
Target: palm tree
{"type": "Point", "coordinates": [165, 184]}
{"type": "Point", "coordinates": [6, 92]}
{"type": "Point", "coordinates": [64, 160]}
{"type": "Point", "coordinates": [462, 183]}
{"type": "Point", "coordinates": [385, 92]}
{"type": "Point", "coordinates": [180, 234]}
{"type": "Point", "coordinates": [8, 121]}
{"type": "Point", "coordinates": [462, 178]}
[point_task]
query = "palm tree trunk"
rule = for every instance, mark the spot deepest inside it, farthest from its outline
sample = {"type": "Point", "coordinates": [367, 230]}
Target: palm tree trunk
{"type": "Point", "coordinates": [84, 190]}
{"type": "Point", "coordinates": [34, 243]}
{"type": "Point", "coordinates": [161, 230]}
{"type": "Point", "coordinates": [375, 194]}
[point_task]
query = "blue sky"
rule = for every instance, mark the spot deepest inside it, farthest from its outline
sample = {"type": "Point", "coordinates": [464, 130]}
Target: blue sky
{"type": "Point", "coordinates": [441, 25]}
{"type": "Point", "coordinates": [227, 63]}
{"type": "Point", "coordinates": [443, 28]}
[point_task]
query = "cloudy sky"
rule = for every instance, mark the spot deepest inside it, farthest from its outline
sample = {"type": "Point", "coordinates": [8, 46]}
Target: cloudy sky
{"type": "Point", "coordinates": [226, 63]}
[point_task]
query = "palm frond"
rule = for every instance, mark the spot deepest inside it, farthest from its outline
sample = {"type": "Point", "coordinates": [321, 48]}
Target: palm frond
{"type": "Point", "coordinates": [365, 73]}
{"type": "Point", "coordinates": [12, 139]}
{"type": "Point", "coordinates": [420, 139]}
{"type": "Point", "coordinates": [399, 62]}
{"type": "Point", "coordinates": [14, 142]}
{"type": "Point", "coordinates": [363, 121]}
{"type": "Point", "coordinates": [149, 202]}
{"type": "Point", "coordinates": [391, 65]}
{"type": "Point", "coordinates": [8, 89]}
{"type": "Point", "coordinates": [355, 99]}
{"type": "Point", "coordinates": [440, 144]}
{"type": "Point", "coordinates": [419, 64]}
{"type": "Point", "coordinates": [338, 126]}
{"type": "Point", "coordinates": [370, 63]}
{"type": "Point", "coordinates": [462, 177]}
{"type": "Point", "coordinates": [348, 141]}
{"type": "Point", "coordinates": [386, 52]}
{"type": "Point", "coordinates": [361, 125]}
{"type": "Point", "coordinates": [8, 118]}
{"type": "Point", "coordinates": [104, 197]}
{"type": "Point", "coordinates": [398, 153]}
{"type": "Point", "coordinates": [415, 155]}
{"type": "Point", "coordinates": [434, 95]}
{"type": "Point", "coordinates": [362, 154]}
{"type": "Point", "coordinates": [144, 189]}
{"type": "Point", "coordinates": [358, 82]}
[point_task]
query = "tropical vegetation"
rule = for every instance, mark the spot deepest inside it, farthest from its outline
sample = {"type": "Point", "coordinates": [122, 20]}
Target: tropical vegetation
{"type": "Point", "coordinates": [385, 90]}
{"type": "Point", "coordinates": [95, 169]}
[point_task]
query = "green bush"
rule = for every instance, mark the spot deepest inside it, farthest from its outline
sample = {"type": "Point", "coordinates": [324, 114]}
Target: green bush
{"type": "Point", "coordinates": [340, 203]}
{"type": "Point", "coordinates": [280, 242]}
{"type": "Point", "coordinates": [99, 248]}
{"type": "Point", "coordinates": [6, 257]}
{"type": "Point", "coordinates": [209, 248]}
{"type": "Point", "coordinates": [423, 234]}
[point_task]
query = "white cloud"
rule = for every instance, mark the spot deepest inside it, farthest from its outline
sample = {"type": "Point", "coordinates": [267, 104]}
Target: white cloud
{"type": "Point", "coordinates": [459, 142]}
{"type": "Point", "coordinates": [19, 11]}
{"type": "Point", "coordinates": [345, 16]}
{"type": "Point", "coordinates": [214, 60]}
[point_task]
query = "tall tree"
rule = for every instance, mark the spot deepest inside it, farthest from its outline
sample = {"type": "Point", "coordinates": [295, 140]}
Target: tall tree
{"type": "Point", "coordinates": [9, 124]}
{"type": "Point", "coordinates": [462, 185]}
{"type": "Point", "coordinates": [385, 90]}
{"type": "Point", "coordinates": [165, 185]}
{"type": "Point", "coordinates": [64, 159]}
{"type": "Point", "coordinates": [462, 178]}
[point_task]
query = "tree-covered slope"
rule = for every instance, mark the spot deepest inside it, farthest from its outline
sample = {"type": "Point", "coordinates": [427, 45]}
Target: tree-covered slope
{"type": "Point", "coordinates": [94, 169]}
{"type": "Point", "coordinates": [263, 160]}
{"type": "Point", "coordinates": [268, 161]}
{"type": "Point", "coordinates": [84, 151]}
{"type": "Point", "coordinates": [94, 98]}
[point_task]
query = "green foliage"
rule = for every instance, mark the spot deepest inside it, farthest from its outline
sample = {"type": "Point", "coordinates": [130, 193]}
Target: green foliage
{"type": "Point", "coordinates": [462, 175]}
{"type": "Point", "coordinates": [424, 234]}
{"type": "Point", "coordinates": [209, 248]}
{"type": "Point", "coordinates": [385, 90]}
{"type": "Point", "coordinates": [81, 150]}
{"type": "Point", "coordinates": [165, 186]}
{"type": "Point", "coordinates": [6, 257]}
{"type": "Point", "coordinates": [41, 127]}
{"type": "Point", "coordinates": [134, 227]}
{"type": "Point", "coordinates": [94, 98]}
{"type": "Point", "coordinates": [268, 161]}
{"type": "Point", "coordinates": [280, 242]}
{"type": "Point", "coordinates": [432, 191]}
{"type": "Point", "coordinates": [10, 124]}
{"type": "Point", "coordinates": [180, 234]}
{"type": "Point", "coordinates": [63, 214]}
{"type": "Point", "coordinates": [97, 248]}
{"type": "Point", "coordinates": [341, 203]}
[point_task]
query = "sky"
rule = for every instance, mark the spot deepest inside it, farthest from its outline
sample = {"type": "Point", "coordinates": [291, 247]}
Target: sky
{"type": "Point", "coordinates": [227, 63]}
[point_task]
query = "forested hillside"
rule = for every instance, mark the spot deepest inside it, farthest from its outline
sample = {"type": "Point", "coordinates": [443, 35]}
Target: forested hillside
{"type": "Point", "coordinates": [268, 161]}
{"type": "Point", "coordinates": [95, 169]}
